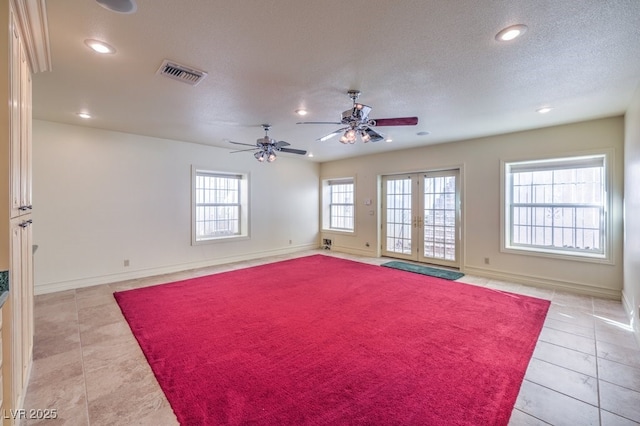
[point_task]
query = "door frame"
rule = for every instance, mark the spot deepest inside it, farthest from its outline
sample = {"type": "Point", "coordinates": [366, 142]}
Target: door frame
{"type": "Point", "coordinates": [455, 264]}
{"type": "Point", "coordinates": [460, 243]}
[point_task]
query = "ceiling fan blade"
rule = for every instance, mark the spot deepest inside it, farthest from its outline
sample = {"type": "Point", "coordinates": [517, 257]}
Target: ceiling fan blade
{"type": "Point", "coordinates": [244, 150]}
{"type": "Point", "coordinates": [293, 151]}
{"type": "Point", "coordinates": [400, 121]}
{"type": "Point", "coordinates": [240, 143]}
{"type": "Point", "coordinates": [332, 134]}
{"type": "Point", "coordinates": [319, 122]}
{"type": "Point", "coordinates": [280, 144]}
{"type": "Point", "coordinates": [375, 136]}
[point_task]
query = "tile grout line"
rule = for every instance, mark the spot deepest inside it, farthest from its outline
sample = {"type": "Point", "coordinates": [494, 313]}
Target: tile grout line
{"type": "Point", "coordinates": [569, 369]}
{"type": "Point", "coordinates": [563, 367]}
{"type": "Point", "coordinates": [84, 374]}
{"type": "Point", "coordinates": [531, 415]}
{"type": "Point", "coordinates": [607, 381]}
{"type": "Point", "coordinates": [551, 327]}
{"type": "Point", "coordinates": [595, 342]}
{"type": "Point", "coordinates": [561, 393]}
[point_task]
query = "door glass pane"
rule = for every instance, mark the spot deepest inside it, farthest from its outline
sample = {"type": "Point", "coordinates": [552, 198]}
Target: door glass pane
{"type": "Point", "coordinates": [439, 217]}
{"type": "Point", "coordinates": [399, 216]}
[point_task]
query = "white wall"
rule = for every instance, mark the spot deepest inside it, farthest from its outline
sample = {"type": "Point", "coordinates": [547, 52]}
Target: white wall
{"type": "Point", "coordinates": [631, 292]}
{"type": "Point", "coordinates": [479, 160]}
{"type": "Point", "coordinates": [102, 197]}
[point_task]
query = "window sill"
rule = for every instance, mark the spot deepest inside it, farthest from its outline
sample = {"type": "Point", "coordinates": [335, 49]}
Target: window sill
{"type": "Point", "coordinates": [589, 258]}
{"type": "Point", "coordinates": [216, 240]}
{"type": "Point", "coordinates": [338, 232]}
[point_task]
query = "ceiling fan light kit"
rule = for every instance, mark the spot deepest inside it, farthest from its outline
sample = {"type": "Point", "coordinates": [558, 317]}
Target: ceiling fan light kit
{"type": "Point", "coordinates": [267, 155]}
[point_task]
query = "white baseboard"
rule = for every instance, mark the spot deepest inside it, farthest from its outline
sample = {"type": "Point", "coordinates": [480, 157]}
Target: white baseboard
{"type": "Point", "coordinates": [530, 280]}
{"type": "Point", "coordinates": [358, 252]}
{"type": "Point", "coordinates": [144, 273]}
{"type": "Point", "coordinates": [543, 282]}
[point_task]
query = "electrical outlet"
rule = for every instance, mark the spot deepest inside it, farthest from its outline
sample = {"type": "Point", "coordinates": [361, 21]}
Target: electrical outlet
{"type": "Point", "coordinates": [126, 262]}
{"type": "Point", "coordinates": [486, 260]}
{"type": "Point", "coordinates": [290, 241]}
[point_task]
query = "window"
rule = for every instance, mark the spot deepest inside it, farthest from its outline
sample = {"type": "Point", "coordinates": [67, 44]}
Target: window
{"type": "Point", "coordinates": [220, 205]}
{"type": "Point", "coordinates": [339, 205]}
{"type": "Point", "coordinates": [557, 206]}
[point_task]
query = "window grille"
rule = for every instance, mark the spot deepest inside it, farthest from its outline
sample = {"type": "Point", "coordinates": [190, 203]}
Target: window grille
{"type": "Point", "coordinates": [341, 205]}
{"type": "Point", "coordinates": [557, 206]}
{"type": "Point", "coordinates": [218, 205]}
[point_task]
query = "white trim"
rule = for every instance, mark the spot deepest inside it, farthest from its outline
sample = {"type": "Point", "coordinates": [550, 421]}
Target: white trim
{"type": "Point", "coordinates": [31, 17]}
{"type": "Point", "coordinates": [23, 395]}
{"type": "Point", "coordinates": [339, 232]}
{"type": "Point", "coordinates": [543, 282]}
{"type": "Point", "coordinates": [245, 203]}
{"type": "Point", "coordinates": [150, 272]}
{"type": "Point", "coordinates": [325, 205]}
{"type": "Point", "coordinates": [608, 250]}
{"type": "Point", "coordinates": [371, 252]}
{"type": "Point", "coordinates": [341, 181]}
{"type": "Point", "coordinates": [457, 170]}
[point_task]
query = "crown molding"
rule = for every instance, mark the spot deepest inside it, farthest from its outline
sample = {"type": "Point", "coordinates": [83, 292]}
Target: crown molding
{"type": "Point", "coordinates": [31, 19]}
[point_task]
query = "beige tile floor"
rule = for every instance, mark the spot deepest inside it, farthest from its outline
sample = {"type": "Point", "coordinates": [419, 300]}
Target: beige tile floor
{"type": "Point", "coordinates": [87, 365]}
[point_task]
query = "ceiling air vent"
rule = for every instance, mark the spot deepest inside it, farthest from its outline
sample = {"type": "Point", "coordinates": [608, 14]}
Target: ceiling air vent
{"type": "Point", "coordinates": [181, 73]}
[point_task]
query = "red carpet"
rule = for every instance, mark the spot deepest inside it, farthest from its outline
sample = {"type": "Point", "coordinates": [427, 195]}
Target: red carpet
{"type": "Point", "coordinates": [326, 341]}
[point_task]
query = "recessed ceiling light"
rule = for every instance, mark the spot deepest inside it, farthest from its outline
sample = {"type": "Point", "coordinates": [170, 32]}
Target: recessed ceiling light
{"type": "Point", "coordinates": [511, 32]}
{"type": "Point", "coordinates": [423, 133]}
{"type": "Point", "coordinates": [119, 6]}
{"type": "Point", "coordinates": [544, 110]}
{"type": "Point", "coordinates": [310, 154]}
{"type": "Point", "coordinates": [99, 46]}
{"type": "Point", "coordinates": [388, 140]}
{"type": "Point", "coordinates": [301, 111]}
{"type": "Point", "coordinates": [83, 114]}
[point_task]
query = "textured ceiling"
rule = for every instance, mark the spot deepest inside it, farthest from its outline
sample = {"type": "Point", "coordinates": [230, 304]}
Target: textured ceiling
{"type": "Point", "coordinates": [437, 60]}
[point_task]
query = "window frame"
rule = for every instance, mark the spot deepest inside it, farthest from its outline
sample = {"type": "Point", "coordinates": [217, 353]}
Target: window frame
{"type": "Point", "coordinates": [563, 161]}
{"type": "Point", "coordinates": [242, 203]}
{"type": "Point", "coordinates": [327, 203]}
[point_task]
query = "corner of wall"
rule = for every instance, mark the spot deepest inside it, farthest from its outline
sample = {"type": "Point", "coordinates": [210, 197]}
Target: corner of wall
{"type": "Point", "coordinates": [633, 315]}
{"type": "Point", "coordinates": [631, 281]}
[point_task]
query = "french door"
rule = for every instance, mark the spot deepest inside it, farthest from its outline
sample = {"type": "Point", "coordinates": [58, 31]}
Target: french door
{"type": "Point", "coordinates": [421, 217]}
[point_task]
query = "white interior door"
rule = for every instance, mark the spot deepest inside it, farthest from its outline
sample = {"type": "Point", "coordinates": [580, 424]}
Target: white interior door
{"type": "Point", "coordinates": [421, 217]}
